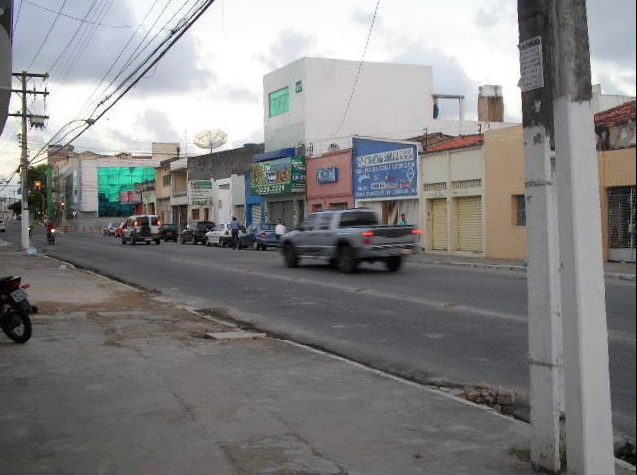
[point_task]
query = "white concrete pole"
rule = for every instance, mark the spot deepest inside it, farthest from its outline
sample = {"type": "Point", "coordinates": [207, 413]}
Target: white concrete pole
{"type": "Point", "coordinates": [546, 393]}
{"type": "Point", "coordinates": [589, 434]}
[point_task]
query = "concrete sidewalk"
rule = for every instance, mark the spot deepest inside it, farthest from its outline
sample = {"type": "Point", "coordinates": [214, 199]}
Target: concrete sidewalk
{"type": "Point", "coordinates": [117, 381]}
{"type": "Point", "coordinates": [612, 270]}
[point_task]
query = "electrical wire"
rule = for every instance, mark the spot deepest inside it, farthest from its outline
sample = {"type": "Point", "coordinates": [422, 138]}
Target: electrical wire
{"type": "Point", "coordinates": [84, 41]}
{"type": "Point", "coordinates": [76, 18]}
{"type": "Point", "coordinates": [121, 52]}
{"type": "Point", "coordinates": [46, 38]}
{"type": "Point", "coordinates": [17, 18]}
{"type": "Point", "coordinates": [360, 67]}
{"type": "Point", "coordinates": [64, 50]}
{"type": "Point", "coordinates": [152, 59]}
{"type": "Point", "coordinates": [138, 52]}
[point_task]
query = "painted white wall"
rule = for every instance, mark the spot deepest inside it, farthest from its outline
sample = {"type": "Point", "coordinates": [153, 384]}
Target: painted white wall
{"type": "Point", "coordinates": [467, 165]}
{"type": "Point", "coordinates": [435, 169]}
{"type": "Point", "coordinates": [223, 204]}
{"type": "Point", "coordinates": [391, 100]}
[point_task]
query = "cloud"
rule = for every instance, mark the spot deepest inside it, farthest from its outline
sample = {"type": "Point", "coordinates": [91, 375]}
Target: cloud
{"type": "Point", "coordinates": [236, 95]}
{"type": "Point", "coordinates": [94, 49]}
{"type": "Point", "coordinates": [449, 77]}
{"type": "Point", "coordinates": [156, 126]}
{"type": "Point", "coordinates": [611, 26]}
{"type": "Point", "coordinates": [289, 46]}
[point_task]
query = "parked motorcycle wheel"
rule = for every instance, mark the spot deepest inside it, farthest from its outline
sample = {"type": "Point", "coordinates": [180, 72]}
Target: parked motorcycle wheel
{"type": "Point", "coordinates": [16, 324]}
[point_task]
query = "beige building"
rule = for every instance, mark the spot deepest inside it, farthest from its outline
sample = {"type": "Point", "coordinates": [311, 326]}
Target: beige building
{"type": "Point", "coordinates": [505, 187]}
{"type": "Point", "coordinates": [452, 201]}
{"type": "Point", "coordinates": [505, 209]}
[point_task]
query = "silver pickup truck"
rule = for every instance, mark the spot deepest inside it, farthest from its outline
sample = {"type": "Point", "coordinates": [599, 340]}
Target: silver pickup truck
{"type": "Point", "coordinates": [345, 238]}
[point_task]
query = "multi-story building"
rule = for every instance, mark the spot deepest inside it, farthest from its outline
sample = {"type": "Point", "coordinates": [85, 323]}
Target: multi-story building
{"type": "Point", "coordinates": [88, 187]}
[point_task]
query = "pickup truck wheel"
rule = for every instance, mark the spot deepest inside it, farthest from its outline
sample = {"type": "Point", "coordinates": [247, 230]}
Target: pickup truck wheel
{"type": "Point", "coordinates": [158, 241]}
{"type": "Point", "coordinates": [347, 260]}
{"type": "Point", "coordinates": [394, 263]}
{"type": "Point", "coordinates": [289, 253]}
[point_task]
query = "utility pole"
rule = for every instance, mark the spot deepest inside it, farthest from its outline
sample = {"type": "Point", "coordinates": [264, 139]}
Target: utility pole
{"type": "Point", "coordinates": [589, 431]}
{"type": "Point", "coordinates": [546, 392]}
{"type": "Point", "coordinates": [556, 96]}
{"type": "Point", "coordinates": [24, 159]}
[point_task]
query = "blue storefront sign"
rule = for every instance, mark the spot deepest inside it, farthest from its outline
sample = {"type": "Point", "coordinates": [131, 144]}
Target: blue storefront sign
{"type": "Point", "coordinates": [384, 169]}
{"type": "Point", "coordinates": [327, 175]}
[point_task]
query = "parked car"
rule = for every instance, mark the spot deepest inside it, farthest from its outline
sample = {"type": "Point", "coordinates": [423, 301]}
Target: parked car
{"type": "Point", "coordinates": [221, 235]}
{"type": "Point", "coordinates": [110, 229]}
{"type": "Point", "coordinates": [260, 236]}
{"type": "Point", "coordinates": [142, 228]}
{"type": "Point", "coordinates": [195, 232]}
{"type": "Point", "coordinates": [169, 232]}
{"type": "Point", "coordinates": [2, 226]}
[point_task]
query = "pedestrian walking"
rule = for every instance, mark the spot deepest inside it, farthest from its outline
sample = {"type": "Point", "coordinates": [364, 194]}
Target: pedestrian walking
{"type": "Point", "coordinates": [279, 229]}
{"type": "Point", "coordinates": [235, 227]}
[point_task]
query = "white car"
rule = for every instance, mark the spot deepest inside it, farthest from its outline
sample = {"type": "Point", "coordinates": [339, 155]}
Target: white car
{"type": "Point", "coordinates": [220, 236]}
{"type": "Point", "coordinates": [2, 228]}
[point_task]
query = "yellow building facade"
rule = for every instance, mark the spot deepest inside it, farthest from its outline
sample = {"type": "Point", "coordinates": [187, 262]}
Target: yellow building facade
{"type": "Point", "coordinates": [505, 190]}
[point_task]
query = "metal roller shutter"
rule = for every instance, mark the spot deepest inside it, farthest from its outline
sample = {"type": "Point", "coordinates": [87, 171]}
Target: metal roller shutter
{"type": "Point", "coordinates": [439, 233]}
{"type": "Point", "coordinates": [469, 213]}
{"type": "Point", "coordinates": [622, 204]}
{"type": "Point", "coordinates": [256, 214]}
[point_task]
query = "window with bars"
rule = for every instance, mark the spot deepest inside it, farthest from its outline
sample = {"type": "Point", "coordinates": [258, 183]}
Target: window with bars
{"type": "Point", "coordinates": [519, 210]}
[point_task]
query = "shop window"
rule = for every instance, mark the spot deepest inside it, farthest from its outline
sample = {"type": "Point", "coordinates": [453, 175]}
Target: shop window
{"type": "Point", "coordinates": [519, 210]}
{"type": "Point", "coordinates": [195, 214]}
{"type": "Point", "coordinates": [279, 102]}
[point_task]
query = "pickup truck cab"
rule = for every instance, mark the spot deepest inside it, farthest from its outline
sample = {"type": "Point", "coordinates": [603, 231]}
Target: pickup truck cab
{"type": "Point", "coordinates": [348, 237]}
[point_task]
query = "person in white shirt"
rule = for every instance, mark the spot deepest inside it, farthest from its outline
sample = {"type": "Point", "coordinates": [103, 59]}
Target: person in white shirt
{"type": "Point", "coordinates": [279, 229]}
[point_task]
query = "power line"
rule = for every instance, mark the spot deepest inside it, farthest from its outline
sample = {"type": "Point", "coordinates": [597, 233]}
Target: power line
{"type": "Point", "coordinates": [17, 18]}
{"type": "Point", "coordinates": [76, 18]}
{"type": "Point", "coordinates": [47, 35]}
{"type": "Point", "coordinates": [55, 62]}
{"type": "Point", "coordinates": [360, 66]}
{"type": "Point", "coordinates": [169, 42]}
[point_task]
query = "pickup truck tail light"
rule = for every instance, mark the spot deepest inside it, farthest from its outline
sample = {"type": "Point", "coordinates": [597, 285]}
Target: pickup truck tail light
{"type": "Point", "coordinates": [227, 233]}
{"type": "Point", "coordinates": [368, 234]}
{"type": "Point", "coordinates": [367, 237]}
{"type": "Point", "coordinates": [417, 232]}
{"type": "Point", "coordinates": [263, 235]}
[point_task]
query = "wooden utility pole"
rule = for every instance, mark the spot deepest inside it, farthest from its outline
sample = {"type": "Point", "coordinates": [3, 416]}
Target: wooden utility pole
{"type": "Point", "coordinates": [24, 159]}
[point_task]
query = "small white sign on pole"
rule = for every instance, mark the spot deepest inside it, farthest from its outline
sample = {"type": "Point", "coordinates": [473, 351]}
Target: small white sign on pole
{"type": "Point", "coordinates": [531, 64]}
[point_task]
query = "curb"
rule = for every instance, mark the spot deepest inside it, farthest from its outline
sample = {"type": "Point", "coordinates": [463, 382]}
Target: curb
{"type": "Point", "coordinates": [609, 275]}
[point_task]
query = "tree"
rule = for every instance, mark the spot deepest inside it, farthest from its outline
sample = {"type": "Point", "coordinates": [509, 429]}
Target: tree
{"type": "Point", "coordinates": [16, 208]}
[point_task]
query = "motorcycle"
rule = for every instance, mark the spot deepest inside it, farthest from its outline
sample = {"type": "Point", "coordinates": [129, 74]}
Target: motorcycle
{"type": "Point", "coordinates": [15, 309]}
{"type": "Point", "coordinates": [50, 236]}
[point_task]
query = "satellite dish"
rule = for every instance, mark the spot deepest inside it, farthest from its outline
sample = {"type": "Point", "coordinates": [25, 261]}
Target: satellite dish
{"type": "Point", "coordinates": [211, 139]}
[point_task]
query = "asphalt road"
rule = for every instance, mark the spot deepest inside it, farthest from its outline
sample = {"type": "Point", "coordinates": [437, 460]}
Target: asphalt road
{"type": "Point", "coordinates": [431, 323]}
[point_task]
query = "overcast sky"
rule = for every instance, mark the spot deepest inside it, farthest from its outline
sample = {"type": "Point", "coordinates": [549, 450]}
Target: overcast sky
{"type": "Point", "coordinates": [213, 78]}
